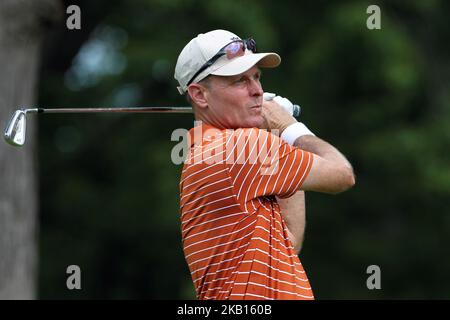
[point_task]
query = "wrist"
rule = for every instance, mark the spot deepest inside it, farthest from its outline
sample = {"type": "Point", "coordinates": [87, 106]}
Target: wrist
{"type": "Point", "coordinates": [294, 131]}
{"type": "Point", "coordinates": [286, 125]}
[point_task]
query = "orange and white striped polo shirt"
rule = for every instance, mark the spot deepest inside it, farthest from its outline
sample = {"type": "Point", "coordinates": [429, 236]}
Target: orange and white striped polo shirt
{"type": "Point", "coordinates": [234, 238]}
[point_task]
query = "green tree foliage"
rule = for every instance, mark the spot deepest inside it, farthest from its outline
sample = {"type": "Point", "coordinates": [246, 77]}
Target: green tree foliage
{"type": "Point", "coordinates": [108, 188]}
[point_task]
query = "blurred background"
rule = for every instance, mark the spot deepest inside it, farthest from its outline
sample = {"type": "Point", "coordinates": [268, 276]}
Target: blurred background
{"type": "Point", "coordinates": [101, 192]}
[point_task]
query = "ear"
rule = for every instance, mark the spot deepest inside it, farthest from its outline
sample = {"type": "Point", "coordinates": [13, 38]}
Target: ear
{"type": "Point", "coordinates": [198, 94]}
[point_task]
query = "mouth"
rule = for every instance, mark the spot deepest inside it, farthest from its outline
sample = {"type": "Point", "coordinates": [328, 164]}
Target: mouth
{"type": "Point", "coordinates": [257, 107]}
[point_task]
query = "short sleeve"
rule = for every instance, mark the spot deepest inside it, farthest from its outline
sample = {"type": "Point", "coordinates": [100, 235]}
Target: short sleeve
{"type": "Point", "coordinates": [261, 164]}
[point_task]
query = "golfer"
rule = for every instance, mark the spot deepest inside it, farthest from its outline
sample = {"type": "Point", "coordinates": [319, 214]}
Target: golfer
{"type": "Point", "coordinates": [241, 199]}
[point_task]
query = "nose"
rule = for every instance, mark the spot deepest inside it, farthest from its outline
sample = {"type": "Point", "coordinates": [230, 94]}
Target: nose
{"type": "Point", "coordinates": [255, 88]}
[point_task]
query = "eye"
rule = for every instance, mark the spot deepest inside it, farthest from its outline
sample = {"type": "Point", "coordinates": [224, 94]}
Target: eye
{"type": "Point", "coordinates": [241, 80]}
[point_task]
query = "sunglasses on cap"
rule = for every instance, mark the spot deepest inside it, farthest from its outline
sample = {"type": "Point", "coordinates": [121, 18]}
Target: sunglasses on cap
{"type": "Point", "coordinates": [232, 50]}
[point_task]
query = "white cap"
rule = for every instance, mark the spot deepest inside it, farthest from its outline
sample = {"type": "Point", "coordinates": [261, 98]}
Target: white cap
{"type": "Point", "coordinates": [203, 47]}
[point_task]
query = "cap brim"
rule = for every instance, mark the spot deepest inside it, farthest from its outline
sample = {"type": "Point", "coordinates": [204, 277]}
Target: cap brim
{"type": "Point", "coordinates": [243, 63]}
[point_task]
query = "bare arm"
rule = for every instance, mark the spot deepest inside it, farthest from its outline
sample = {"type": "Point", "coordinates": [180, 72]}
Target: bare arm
{"type": "Point", "coordinates": [330, 171]}
{"type": "Point", "coordinates": [293, 213]}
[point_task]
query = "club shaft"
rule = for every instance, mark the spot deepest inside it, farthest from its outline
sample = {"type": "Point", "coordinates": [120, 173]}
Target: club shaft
{"type": "Point", "coordinates": [112, 110]}
{"type": "Point", "coordinates": [187, 109]}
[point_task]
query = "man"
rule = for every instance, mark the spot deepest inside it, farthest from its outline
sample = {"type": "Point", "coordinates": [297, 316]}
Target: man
{"type": "Point", "coordinates": [242, 208]}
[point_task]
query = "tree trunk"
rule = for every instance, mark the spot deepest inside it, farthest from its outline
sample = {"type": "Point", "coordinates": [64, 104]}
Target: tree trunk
{"type": "Point", "coordinates": [22, 26]}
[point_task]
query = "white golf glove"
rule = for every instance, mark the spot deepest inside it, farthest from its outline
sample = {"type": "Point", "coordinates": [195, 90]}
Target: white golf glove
{"type": "Point", "coordinates": [298, 129]}
{"type": "Point", "coordinates": [285, 103]}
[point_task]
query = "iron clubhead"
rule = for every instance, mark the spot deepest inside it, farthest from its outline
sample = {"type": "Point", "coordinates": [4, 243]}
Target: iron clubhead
{"type": "Point", "coordinates": [16, 129]}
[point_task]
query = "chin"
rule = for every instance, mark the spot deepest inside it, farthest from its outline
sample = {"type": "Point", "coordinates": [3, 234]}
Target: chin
{"type": "Point", "coordinates": [253, 122]}
{"type": "Point", "coordinates": [257, 123]}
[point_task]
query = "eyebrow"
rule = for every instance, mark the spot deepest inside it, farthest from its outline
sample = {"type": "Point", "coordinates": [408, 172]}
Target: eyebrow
{"type": "Point", "coordinates": [257, 72]}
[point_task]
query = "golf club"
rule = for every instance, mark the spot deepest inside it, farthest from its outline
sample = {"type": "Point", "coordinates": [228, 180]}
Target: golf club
{"type": "Point", "coordinates": [15, 132]}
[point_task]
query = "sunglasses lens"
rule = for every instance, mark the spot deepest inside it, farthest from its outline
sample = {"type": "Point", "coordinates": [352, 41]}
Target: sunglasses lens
{"type": "Point", "coordinates": [232, 50]}
{"type": "Point", "coordinates": [235, 49]}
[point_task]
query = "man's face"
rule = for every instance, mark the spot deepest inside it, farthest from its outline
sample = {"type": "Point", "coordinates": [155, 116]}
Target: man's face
{"type": "Point", "coordinates": [236, 101]}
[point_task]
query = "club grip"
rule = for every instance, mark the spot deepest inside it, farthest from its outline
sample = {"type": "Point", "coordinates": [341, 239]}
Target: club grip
{"type": "Point", "coordinates": [296, 110]}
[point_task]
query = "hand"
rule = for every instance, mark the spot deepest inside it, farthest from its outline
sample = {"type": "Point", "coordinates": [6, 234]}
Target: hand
{"type": "Point", "coordinates": [285, 103]}
{"type": "Point", "coordinates": [276, 117]}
